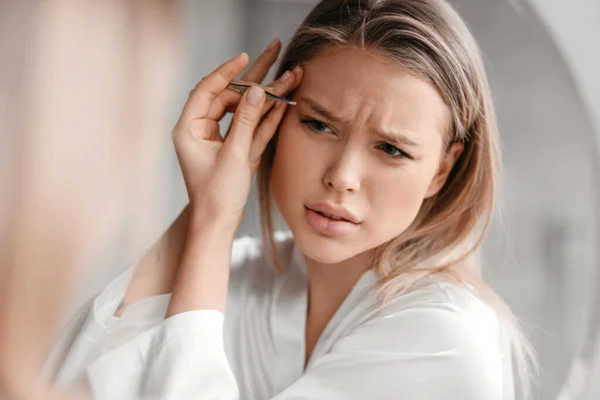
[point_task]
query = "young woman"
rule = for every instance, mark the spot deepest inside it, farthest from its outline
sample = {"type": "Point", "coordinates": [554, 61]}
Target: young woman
{"type": "Point", "coordinates": [384, 171]}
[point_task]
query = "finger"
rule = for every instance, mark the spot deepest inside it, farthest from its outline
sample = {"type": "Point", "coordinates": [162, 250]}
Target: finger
{"type": "Point", "coordinates": [209, 88]}
{"type": "Point", "coordinates": [298, 72]}
{"type": "Point", "coordinates": [282, 87]}
{"type": "Point", "coordinates": [226, 102]}
{"type": "Point", "coordinates": [204, 129]}
{"type": "Point", "coordinates": [245, 120]}
{"type": "Point", "coordinates": [287, 82]}
{"type": "Point", "coordinates": [261, 66]}
{"type": "Point", "coordinates": [229, 99]}
{"type": "Point", "coordinates": [265, 132]}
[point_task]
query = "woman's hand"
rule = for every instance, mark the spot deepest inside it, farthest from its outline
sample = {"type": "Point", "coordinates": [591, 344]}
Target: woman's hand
{"type": "Point", "coordinates": [217, 171]}
{"type": "Point", "coordinates": [156, 272]}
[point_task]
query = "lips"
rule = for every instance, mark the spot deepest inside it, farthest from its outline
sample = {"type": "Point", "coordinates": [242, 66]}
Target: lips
{"type": "Point", "coordinates": [329, 227]}
{"type": "Point", "coordinates": [334, 212]}
{"type": "Point", "coordinates": [332, 216]}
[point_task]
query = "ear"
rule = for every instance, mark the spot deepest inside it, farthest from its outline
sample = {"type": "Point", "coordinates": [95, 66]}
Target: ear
{"type": "Point", "coordinates": [444, 169]}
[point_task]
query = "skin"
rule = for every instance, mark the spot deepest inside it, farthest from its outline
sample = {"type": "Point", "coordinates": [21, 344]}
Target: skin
{"type": "Point", "coordinates": [382, 182]}
{"type": "Point", "coordinates": [156, 273]}
{"type": "Point", "coordinates": [348, 165]}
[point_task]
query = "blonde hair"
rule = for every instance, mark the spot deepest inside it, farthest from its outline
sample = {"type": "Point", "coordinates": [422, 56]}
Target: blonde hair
{"type": "Point", "coordinates": [429, 38]}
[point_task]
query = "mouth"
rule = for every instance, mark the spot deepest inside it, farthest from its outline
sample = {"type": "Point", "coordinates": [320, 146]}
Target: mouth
{"type": "Point", "coordinates": [334, 212]}
{"type": "Point", "coordinates": [330, 224]}
{"type": "Point", "coordinates": [331, 216]}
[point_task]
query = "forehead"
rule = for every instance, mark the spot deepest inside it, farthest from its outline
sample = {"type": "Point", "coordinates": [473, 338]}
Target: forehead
{"type": "Point", "coordinates": [362, 87]}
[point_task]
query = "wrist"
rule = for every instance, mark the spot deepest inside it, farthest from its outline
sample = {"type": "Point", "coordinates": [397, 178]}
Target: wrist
{"type": "Point", "coordinates": [203, 218]}
{"type": "Point", "coordinates": [203, 275]}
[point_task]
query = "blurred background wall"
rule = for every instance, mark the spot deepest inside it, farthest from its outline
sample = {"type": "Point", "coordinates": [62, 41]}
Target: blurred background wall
{"type": "Point", "coordinates": [543, 70]}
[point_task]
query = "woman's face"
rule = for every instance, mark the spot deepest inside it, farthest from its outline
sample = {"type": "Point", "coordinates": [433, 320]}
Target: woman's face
{"type": "Point", "coordinates": [366, 136]}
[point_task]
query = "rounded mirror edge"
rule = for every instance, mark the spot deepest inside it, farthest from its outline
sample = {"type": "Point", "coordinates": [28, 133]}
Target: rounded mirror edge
{"type": "Point", "coordinates": [588, 356]}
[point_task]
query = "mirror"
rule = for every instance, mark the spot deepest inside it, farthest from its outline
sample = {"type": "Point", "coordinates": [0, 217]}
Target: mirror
{"type": "Point", "coordinates": [540, 254]}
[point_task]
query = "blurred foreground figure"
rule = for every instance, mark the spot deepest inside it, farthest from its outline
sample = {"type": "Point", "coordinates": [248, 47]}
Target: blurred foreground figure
{"type": "Point", "coordinates": [82, 90]}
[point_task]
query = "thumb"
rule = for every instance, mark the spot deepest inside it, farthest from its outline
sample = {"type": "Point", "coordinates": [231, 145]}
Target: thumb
{"type": "Point", "coordinates": [245, 120]}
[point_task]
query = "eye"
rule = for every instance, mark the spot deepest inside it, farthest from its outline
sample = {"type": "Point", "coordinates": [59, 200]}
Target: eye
{"type": "Point", "coordinates": [317, 126]}
{"type": "Point", "coordinates": [393, 151]}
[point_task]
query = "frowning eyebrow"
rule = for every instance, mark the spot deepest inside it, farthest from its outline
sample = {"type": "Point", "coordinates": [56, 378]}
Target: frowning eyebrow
{"type": "Point", "coordinates": [319, 109]}
{"type": "Point", "coordinates": [397, 137]}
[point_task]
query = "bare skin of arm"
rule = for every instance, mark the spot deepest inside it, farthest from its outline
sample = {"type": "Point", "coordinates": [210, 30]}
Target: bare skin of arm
{"type": "Point", "coordinates": [156, 272]}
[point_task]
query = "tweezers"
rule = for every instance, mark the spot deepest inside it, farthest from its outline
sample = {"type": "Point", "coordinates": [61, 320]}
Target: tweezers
{"type": "Point", "coordinates": [241, 88]}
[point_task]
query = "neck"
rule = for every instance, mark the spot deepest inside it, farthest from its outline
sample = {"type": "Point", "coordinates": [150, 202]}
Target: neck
{"type": "Point", "coordinates": [328, 286]}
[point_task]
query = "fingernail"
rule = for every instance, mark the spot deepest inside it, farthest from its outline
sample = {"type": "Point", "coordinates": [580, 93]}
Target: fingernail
{"type": "Point", "coordinates": [296, 69]}
{"type": "Point", "coordinates": [273, 44]}
{"type": "Point", "coordinates": [255, 95]}
{"type": "Point", "coordinates": [286, 75]}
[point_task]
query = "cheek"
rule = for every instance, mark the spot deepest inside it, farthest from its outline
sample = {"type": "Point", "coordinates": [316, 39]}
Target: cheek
{"type": "Point", "coordinates": [395, 202]}
{"type": "Point", "coordinates": [296, 156]}
{"type": "Point", "coordinates": [291, 165]}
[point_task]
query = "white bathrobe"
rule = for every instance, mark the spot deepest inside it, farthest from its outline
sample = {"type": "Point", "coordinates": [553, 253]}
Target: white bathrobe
{"type": "Point", "coordinates": [439, 341]}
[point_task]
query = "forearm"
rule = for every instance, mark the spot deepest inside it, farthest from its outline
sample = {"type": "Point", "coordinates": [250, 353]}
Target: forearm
{"type": "Point", "coordinates": [156, 271]}
{"type": "Point", "coordinates": [203, 275]}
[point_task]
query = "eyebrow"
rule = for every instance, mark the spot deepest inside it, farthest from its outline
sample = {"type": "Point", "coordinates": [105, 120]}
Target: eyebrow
{"type": "Point", "coordinates": [396, 137]}
{"type": "Point", "coordinates": [393, 136]}
{"type": "Point", "coordinates": [319, 109]}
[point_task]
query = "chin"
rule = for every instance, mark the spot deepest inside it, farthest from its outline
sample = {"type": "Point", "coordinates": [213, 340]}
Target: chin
{"type": "Point", "coordinates": [321, 252]}
{"type": "Point", "coordinates": [324, 249]}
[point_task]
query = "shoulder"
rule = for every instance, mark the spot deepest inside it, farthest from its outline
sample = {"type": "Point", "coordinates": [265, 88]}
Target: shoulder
{"type": "Point", "coordinates": [437, 304]}
{"type": "Point", "coordinates": [444, 333]}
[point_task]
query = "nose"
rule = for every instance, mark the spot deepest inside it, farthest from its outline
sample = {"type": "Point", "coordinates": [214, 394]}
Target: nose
{"type": "Point", "coordinates": [343, 175]}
